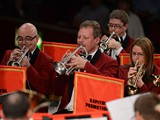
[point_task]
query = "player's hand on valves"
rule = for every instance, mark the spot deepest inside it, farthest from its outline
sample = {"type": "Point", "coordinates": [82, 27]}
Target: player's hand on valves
{"type": "Point", "coordinates": [15, 54]}
{"type": "Point", "coordinates": [77, 61]}
{"type": "Point", "coordinates": [112, 43]}
{"type": "Point", "coordinates": [140, 82]}
{"type": "Point", "coordinates": [132, 72]}
{"type": "Point", "coordinates": [25, 62]}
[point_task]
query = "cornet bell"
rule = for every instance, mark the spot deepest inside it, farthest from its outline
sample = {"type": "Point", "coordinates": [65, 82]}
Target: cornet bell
{"type": "Point", "coordinates": [59, 68]}
{"type": "Point", "coordinates": [13, 63]}
{"type": "Point", "coordinates": [103, 45]}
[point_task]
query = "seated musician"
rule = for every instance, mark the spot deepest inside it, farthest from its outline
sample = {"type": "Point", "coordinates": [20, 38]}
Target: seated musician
{"type": "Point", "coordinates": [89, 35]}
{"type": "Point", "coordinates": [120, 42]}
{"type": "Point", "coordinates": [141, 75]}
{"type": "Point", "coordinates": [39, 65]}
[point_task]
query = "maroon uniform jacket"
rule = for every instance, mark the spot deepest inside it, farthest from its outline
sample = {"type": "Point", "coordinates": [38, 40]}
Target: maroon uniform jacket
{"type": "Point", "coordinates": [147, 87]}
{"type": "Point", "coordinates": [39, 74]}
{"type": "Point", "coordinates": [101, 64]}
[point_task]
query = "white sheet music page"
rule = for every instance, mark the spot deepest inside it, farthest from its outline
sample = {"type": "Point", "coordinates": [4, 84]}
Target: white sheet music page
{"type": "Point", "coordinates": [122, 109]}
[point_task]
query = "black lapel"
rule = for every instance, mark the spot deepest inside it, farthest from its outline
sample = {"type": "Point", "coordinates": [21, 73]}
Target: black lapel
{"type": "Point", "coordinates": [95, 57]}
{"type": "Point", "coordinates": [34, 56]}
{"type": "Point", "coordinates": [125, 42]}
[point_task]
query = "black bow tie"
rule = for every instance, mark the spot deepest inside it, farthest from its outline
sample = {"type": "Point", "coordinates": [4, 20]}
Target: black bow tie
{"type": "Point", "coordinates": [89, 57]}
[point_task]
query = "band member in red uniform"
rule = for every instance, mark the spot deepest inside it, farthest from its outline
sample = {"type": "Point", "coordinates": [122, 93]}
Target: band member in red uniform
{"type": "Point", "coordinates": [89, 36]}
{"type": "Point", "coordinates": [120, 42]}
{"type": "Point", "coordinates": [39, 65]}
{"type": "Point", "coordinates": [141, 75]}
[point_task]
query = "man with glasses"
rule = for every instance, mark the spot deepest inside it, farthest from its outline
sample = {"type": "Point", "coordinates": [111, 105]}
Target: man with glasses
{"type": "Point", "coordinates": [39, 65]}
{"type": "Point", "coordinates": [118, 23]}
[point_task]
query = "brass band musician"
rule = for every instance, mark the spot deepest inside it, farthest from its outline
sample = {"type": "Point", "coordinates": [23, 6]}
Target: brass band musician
{"type": "Point", "coordinates": [39, 67]}
{"type": "Point", "coordinates": [145, 79]}
{"type": "Point", "coordinates": [118, 23]}
{"type": "Point", "coordinates": [89, 35]}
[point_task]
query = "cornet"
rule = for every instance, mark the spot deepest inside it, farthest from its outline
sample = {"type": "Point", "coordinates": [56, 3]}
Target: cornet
{"type": "Point", "coordinates": [60, 67]}
{"type": "Point", "coordinates": [103, 45]}
{"type": "Point", "coordinates": [18, 61]}
{"type": "Point", "coordinates": [132, 88]}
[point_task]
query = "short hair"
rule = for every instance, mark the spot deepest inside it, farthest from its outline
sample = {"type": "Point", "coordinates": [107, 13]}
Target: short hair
{"type": "Point", "coordinates": [145, 105]}
{"type": "Point", "coordinates": [15, 105]}
{"type": "Point", "coordinates": [119, 14]}
{"type": "Point", "coordinates": [97, 32]}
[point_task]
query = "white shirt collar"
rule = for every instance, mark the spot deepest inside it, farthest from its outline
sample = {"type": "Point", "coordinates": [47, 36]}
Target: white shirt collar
{"type": "Point", "coordinates": [93, 53]}
{"type": "Point", "coordinates": [124, 36]}
{"type": "Point", "coordinates": [33, 51]}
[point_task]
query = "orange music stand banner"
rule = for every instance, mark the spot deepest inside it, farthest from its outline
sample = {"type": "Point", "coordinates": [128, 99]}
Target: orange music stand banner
{"type": "Point", "coordinates": [124, 58]}
{"type": "Point", "coordinates": [12, 78]}
{"type": "Point", "coordinates": [157, 59]}
{"type": "Point", "coordinates": [93, 91]}
{"type": "Point", "coordinates": [56, 50]}
{"type": "Point", "coordinates": [41, 116]}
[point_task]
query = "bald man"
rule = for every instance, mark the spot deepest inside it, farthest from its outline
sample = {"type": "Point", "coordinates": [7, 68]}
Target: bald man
{"type": "Point", "coordinates": [39, 66]}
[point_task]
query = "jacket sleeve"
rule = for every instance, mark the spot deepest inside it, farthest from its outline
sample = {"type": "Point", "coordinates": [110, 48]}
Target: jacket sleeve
{"type": "Point", "coordinates": [41, 75]}
{"type": "Point", "coordinates": [107, 68]}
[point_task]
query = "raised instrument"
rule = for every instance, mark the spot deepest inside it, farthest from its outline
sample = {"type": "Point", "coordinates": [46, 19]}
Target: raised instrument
{"type": "Point", "coordinates": [103, 45]}
{"type": "Point", "coordinates": [17, 62]}
{"type": "Point", "coordinates": [60, 67]}
{"type": "Point", "coordinates": [132, 88]}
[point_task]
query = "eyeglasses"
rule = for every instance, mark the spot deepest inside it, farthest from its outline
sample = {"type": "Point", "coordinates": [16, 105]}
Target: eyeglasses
{"type": "Point", "coordinates": [116, 26]}
{"type": "Point", "coordinates": [137, 54]}
{"type": "Point", "coordinates": [27, 38]}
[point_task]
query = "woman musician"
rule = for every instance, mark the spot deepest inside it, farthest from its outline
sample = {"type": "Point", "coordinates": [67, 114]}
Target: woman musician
{"type": "Point", "coordinates": [147, 78]}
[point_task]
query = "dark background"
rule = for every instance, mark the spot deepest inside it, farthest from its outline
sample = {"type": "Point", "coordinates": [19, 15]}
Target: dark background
{"type": "Point", "coordinates": [53, 18]}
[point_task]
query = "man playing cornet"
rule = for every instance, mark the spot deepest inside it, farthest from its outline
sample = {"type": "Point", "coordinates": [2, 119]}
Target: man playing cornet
{"type": "Point", "coordinates": [89, 35]}
{"type": "Point", "coordinates": [142, 73]}
{"type": "Point", "coordinates": [39, 66]}
{"type": "Point", "coordinates": [118, 23]}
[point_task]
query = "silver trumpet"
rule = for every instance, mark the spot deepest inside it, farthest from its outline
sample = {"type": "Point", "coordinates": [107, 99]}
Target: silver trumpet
{"type": "Point", "coordinates": [60, 67]}
{"type": "Point", "coordinates": [103, 45]}
{"type": "Point", "coordinates": [17, 62]}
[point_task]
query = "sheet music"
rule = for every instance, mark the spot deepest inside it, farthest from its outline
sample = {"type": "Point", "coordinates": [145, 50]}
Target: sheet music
{"type": "Point", "coordinates": [122, 109]}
